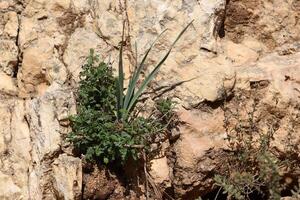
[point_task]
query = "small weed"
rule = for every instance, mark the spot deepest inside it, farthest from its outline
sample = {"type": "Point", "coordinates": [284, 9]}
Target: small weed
{"type": "Point", "coordinates": [251, 168]}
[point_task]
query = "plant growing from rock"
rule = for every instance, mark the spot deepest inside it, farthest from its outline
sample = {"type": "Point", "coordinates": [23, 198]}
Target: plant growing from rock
{"type": "Point", "coordinates": [251, 168]}
{"type": "Point", "coordinates": [106, 127]}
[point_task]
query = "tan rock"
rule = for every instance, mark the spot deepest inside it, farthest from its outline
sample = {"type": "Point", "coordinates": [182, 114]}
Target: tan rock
{"type": "Point", "coordinates": [186, 62]}
{"type": "Point", "coordinates": [12, 26]}
{"type": "Point", "coordinates": [55, 38]}
{"type": "Point", "coordinates": [9, 56]}
{"type": "Point", "coordinates": [282, 72]}
{"type": "Point", "coordinates": [34, 68]}
{"type": "Point", "coordinates": [240, 54]}
{"type": "Point", "coordinates": [272, 25]}
{"type": "Point", "coordinates": [14, 150]}
{"type": "Point", "coordinates": [8, 85]}
{"type": "Point", "coordinates": [81, 6]}
{"type": "Point", "coordinates": [28, 31]}
{"type": "Point", "coordinates": [65, 4]}
{"type": "Point", "coordinates": [211, 17]}
{"type": "Point", "coordinates": [202, 135]}
{"type": "Point", "coordinates": [199, 135]}
{"type": "Point", "coordinates": [160, 171]}
{"type": "Point", "coordinates": [254, 45]}
{"type": "Point", "coordinates": [8, 189]}
{"type": "Point", "coordinates": [204, 78]}
{"type": "Point", "coordinates": [68, 167]}
{"type": "Point", "coordinates": [47, 139]}
{"type": "Point", "coordinates": [40, 68]}
{"type": "Point", "coordinates": [4, 5]}
{"type": "Point", "coordinates": [78, 49]}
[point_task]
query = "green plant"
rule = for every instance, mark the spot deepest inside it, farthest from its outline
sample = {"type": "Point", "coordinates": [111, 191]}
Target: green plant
{"type": "Point", "coordinates": [250, 166]}
{"type": "Point", "coordinates": [96, 132]}
{"type": "Point", "coordinates": [105, 128]}
{"type": "Point", "coordinates": [127, 102]}
{"type": "Point", "coordinates": [165, 106]}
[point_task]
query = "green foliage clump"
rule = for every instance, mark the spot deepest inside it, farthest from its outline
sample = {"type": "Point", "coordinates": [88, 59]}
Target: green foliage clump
{"type": "Point", "coordinates": [107, 127]}
{"type": "Point", "coordinates": [165, 106]}
{"type": "Point", "coordinates": [250, 166]}
{"type": "Point", "coordinates": [96, 132]}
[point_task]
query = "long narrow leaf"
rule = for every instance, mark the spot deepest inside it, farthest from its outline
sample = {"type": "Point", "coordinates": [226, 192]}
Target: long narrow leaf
{"type": "Point", "coordinates": [154, 71]}
{"type": "Point", "coordinates": [118, 98]}
{"type": "Point", "coordinates": [120, 79]}
{"type": "Point", "coordinates": [136, 74]}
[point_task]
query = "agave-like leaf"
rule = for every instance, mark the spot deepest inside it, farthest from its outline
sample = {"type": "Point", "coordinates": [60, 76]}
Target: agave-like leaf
{"type": "Point", "coordinates": [120, 79]}
{"type": "Point", "coordinates": [153, 72]}
{"type": "Point", "coordinates": [136, 74]}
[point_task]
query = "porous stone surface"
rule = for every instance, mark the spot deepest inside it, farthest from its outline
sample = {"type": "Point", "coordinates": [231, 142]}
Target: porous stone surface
{"type": "Point", "coordinates": [43, 44]}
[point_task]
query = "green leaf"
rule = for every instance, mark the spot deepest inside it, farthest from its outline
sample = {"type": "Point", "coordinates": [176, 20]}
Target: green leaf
{"type": "Point", "coordinates": [120, 79]}
{"type": "Point", "coordinates": [136, 74]}
{"type": "Point", "coordinates": [105, 160]}
{"type": "Point", "coordinates": [154, 71]}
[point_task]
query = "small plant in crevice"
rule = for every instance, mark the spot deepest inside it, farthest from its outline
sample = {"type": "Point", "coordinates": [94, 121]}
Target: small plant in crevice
{"type": "Point", "coordinates": [251, 168]}
{"type": "Point", "coordinates": [108, 127]}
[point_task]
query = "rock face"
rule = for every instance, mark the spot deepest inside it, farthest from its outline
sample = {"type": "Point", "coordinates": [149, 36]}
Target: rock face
{"type": "Point", "coordinates": [273, 25]}
{"type": "Point", "coordinates": [43, 44]}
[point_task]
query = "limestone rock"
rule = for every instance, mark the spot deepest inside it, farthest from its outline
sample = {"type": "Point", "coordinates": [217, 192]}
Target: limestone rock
{"type": "Point", "coordinates": [15, 150]}
{"type": "Point", "coordinates": [12, 25]}
{"type": "Point", "coordinates": [40, 69]}
{"type": "Point", "coordinates": [200, 137]}
{"type": "Point", "coordinates": [32, 76]}
{"type": "Point", "coordinates": [281, 72]}
{"type": "Point", "coordinates": [160, 171]}
{"type": "Point", "coordinates": [67, 173]}
{"type": "Point", "coordinates": [43, 45]}
{"type": "Point", "coordinates": [203, 131]}
{"type": "Point", "coordinates": [271, 24]}
{"type": "Point", "coordinates": [207, 76]}
{"type": "Point", "coordinates": [47, 138]}
{"type": "Point", "coordinates": [241, 54]}
{"type": "Point", "coordinates": [8, 85]}
{"type": "Point", "coordinates": [78, 49]}
{"type": "Point", "coordinates": [202, 78]}
{"type": "Point", "coordinates": [9, 56]}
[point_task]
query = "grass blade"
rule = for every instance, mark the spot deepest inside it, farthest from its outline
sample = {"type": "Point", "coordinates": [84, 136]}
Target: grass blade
{"type": "Point", "coordinates": [120, 79]}
{"type": "Point", "coordinates": [136, 74]}
{"type": "Point", "coordinates": [154, 71]}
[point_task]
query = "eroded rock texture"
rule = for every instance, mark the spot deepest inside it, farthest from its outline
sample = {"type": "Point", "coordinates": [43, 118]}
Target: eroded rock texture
{"type": "Point", "coordinates": [43, 44]}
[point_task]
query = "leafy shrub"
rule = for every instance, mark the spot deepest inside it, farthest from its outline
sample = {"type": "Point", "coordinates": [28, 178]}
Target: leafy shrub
{"type": "Point", "coordinates": [107, 127]}
{"type": "Point", "coordinates": [96, 132]}
{"type": "Point", "coordinates": [250, 166]}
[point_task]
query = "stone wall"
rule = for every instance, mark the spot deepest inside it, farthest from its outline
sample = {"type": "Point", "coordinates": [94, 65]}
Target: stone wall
{"type": "Point", "coordinates": [43, 45]}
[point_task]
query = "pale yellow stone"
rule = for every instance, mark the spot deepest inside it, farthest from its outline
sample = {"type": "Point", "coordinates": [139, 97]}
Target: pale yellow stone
{"type": "Point", "coordinates": [4, 5]}
{"type": "Point", "coordinates": [160, 170]}
{"type": "Point", "coordinates": [8, 56]}
{"type": "Point", "coordinates": [7, 84]}
{"type": "Point", "coordinates": [8, 189]}
{"type": "Point", "coordinates": [11, 27]}
{"type": "Point", "coordinates": [70, 168]}
{"type": "Point", "coordinates": [52, 55]}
